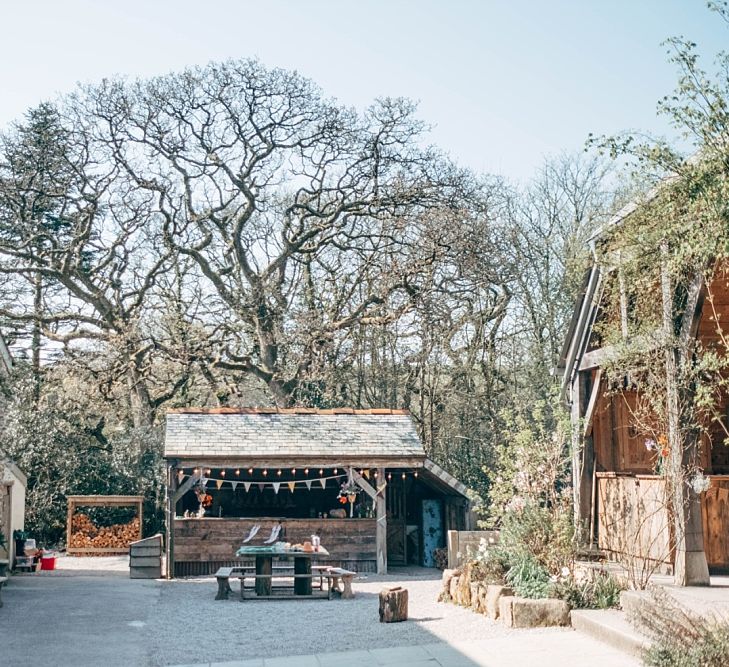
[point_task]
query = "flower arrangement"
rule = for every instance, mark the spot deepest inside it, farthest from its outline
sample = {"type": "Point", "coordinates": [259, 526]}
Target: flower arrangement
{"type": "Point", "coordinates": [204, 498]}
{"type": "Point", "coordinates": [348, 494]}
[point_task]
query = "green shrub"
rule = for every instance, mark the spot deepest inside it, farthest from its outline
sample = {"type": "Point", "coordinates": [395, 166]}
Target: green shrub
{"type": "Point", "coordinates": [529, 578]}
{"type": "Point", "coordinates": [603, 592]}
{"type": "Point", "coordinates": [679, 637]}
{"type": "Point", "coordinates": [544, 534]}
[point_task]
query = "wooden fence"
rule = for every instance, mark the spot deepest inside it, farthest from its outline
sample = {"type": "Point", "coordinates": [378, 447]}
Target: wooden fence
{"type": "Point", "coordinates": [463, 544]}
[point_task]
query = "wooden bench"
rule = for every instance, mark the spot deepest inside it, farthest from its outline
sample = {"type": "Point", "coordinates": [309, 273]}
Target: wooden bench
{"type": "Point", "coordinates": [224, 574]}
{"type": "Point", "coordinates": [3, 581]}
{"type": "Point", "coordinates": [337, 574]}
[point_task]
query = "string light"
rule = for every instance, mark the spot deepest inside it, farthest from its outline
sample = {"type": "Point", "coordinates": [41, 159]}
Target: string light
{"type": "Point", "coordinates": [306, 471]}
{"type": "Point", "coordinates": [375, 474]}
{"type": "Point", "coordinates": [415, 474]}
{"type": "Point", "coordinates": [389, 475]}
{"type": "Point", "coordinates": [237, 472]}
{"type": "Point", "coordinates": [293, 471]}
{"type": "Point", "coordinates": [321, 472]}
{"type": "Point", "coordinates": [207, 472]}
{"type": "Point", "coordinates": [335, 471]}
{"type": "Point", "coordinates": [403, 475]}
{"type": "Point", "coordinates": [222, 473]}
{"type": "Point", "coordinates": [250, 471]}
{"type": "Point", "coordinates": [196, 471]}
{"type": "Point", "coordinates": [265, 473]}
{"type": "Point", "coordinates": [279, 473]}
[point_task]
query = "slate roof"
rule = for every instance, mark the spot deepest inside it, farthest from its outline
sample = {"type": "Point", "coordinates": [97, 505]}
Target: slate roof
{"type": "Point", "coordinates": [294, 432]}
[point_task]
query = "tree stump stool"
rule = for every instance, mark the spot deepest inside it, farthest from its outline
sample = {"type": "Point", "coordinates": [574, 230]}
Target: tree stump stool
{"type": "Point", "coordinates": [393, 605]}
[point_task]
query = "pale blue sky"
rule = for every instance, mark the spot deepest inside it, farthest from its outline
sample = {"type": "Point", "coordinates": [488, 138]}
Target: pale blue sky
{"type": "Point", "coordinates": [504, 83]}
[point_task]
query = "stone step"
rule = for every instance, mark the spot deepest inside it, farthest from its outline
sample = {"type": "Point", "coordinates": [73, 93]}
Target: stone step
{"type": "Point", "coordinates": [611, 627]}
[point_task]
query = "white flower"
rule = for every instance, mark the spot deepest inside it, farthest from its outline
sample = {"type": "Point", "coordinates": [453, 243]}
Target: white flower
{"type": "Point", "coordinates": [699, 483]}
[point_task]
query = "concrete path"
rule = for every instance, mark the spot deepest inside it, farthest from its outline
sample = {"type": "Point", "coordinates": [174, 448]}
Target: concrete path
{"type": "Point", "coordinates": [83, 620]}
{"type": "Point", "coordinates": [547, 650]}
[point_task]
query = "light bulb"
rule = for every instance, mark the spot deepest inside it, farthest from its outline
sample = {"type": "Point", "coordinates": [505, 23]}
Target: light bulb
{"type": "Point", "coordinates": [222, 473]}
{"type": "Point", "coordinates": [279, 473]}
{"type": "Point", "coordinates": [250, 471]}
{"type": "Point", "coordinates": [306, 471]}
{"type": "Point", "coordinates": [265, 472]}
{"type": "Point", "coordinates": [237, 472]}
{"type": "Point", "coordinates": [293, 471]}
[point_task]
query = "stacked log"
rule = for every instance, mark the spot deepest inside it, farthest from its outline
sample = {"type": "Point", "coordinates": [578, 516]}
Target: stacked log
{"type": "Point", "coordinates": [85, 534]}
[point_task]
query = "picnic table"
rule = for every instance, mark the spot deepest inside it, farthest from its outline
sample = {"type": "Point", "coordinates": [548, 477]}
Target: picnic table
{"type": "Point", "coordinates": [264, 567]}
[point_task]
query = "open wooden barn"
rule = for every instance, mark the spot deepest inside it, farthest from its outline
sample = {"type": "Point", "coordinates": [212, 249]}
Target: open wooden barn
{"type": "Point", "coordinates": [620, 495]}
{"type": "Point", "coordinates": [231, 469]}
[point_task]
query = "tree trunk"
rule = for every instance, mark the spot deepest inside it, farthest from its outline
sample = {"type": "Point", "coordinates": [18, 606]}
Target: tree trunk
{"type": "Point", "coordinates": [393, 605]}
{"type": "Point", "coordinates": [36, 337]}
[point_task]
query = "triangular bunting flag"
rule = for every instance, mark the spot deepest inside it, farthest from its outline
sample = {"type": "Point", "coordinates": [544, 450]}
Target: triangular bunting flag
{"type": "Point", "coordinates": [308, 484]}
{"type": "Point", "coordinates": [246, 486]}
{"type": "Point", "coordinates": [291, 486]}
{"type": "Point", "coordinates": [235, 484]}
{"type": "Point", "coordinates": [218, 483]}
{"type": "Point", "coordinates": [366, 473]}
{"type": "Point", "coordinates": [323, 481]}
{"type": "Point", "coordinates": [261, 485]}
{"type": "Point", "coordinates": [276, 486]}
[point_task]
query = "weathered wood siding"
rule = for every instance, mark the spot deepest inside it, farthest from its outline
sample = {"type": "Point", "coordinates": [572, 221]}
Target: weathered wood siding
{"type": "Point", "coordinates": [715, 510]}
{"type": "Point", "coordinates": [203, 545]}
{"type": "Point", "coordinates": [632, 517]}
{"type": "Point", "coordinates": [633, 521]}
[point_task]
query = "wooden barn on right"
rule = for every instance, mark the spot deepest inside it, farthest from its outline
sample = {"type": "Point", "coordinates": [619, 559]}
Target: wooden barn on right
{"type": "Point", "coordinates": [620, 492]}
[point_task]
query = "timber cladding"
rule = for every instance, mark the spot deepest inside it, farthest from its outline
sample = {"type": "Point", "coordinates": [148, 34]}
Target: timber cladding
{"type": "Point", "coordinates": [202, 541]}
{"type": "Point", "coordinates": [633, 520]}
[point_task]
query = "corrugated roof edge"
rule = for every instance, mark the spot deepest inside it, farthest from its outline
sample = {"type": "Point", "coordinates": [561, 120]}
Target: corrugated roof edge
{"type": "Point", "coordinates": [285, 411]}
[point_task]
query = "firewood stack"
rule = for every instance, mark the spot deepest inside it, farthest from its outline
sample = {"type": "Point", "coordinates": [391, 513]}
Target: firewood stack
{"type": "Point", "coordinates": [87, 535]}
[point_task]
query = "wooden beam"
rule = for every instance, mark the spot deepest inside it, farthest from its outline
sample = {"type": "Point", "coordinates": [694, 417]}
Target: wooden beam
{"type": "Point", "coordinates": [598, 357]}
{"type": "Point", "coordinates": [363, 483]}
{"type": "Point", "coordinates": [186, 485]}
{"type": "Point", "coordinates": [170, 521]}
{"type": "Point", "coordinates": [199, 460]}
{"type": "Point", "coordinates": [591, 403]}
{"type": "Point", "coordinates": [381, 514]}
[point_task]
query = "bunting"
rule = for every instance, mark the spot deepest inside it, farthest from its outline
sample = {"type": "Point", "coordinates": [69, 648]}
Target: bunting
{"type": "Point", "coordinates": [308, 484]}
{"type": "Point", "coordinates": [291, 485]}
{"type": "Point", "coordinates": [247, 486]}
{"type": "Point", "coordinates": [276, 486]}
{"type": "Point", "coordinates": [323, 481]}
{"type": "Point", "coordinates": [218, 483]}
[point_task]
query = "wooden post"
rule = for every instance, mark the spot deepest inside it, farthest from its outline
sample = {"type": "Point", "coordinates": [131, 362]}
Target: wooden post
{"type": "Point", "coordinates": [264, 566]}
{"type": "Point", "coordinates": [381, 513]}
{"type": "Point", "coordinates": [139, 515]}
{"type": "Point", "coordinates": [170, 542]}
{"type": "Point", "coordinates": [69, 529]}
{"type": "Point", "coordinates": [690, 565]}
{"type": "Point", "coordinates": [452, 549]}
{"type": "Point", "coordinates": [302, 585]}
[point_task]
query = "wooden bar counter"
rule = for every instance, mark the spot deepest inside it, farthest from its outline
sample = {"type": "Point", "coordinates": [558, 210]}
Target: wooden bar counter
{"type": "Point", "coordinates": [204, 545]}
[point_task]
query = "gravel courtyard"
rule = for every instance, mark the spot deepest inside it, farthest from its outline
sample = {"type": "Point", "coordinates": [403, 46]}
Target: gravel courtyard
{"type": "Point", "coordinates": [90, 613]}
